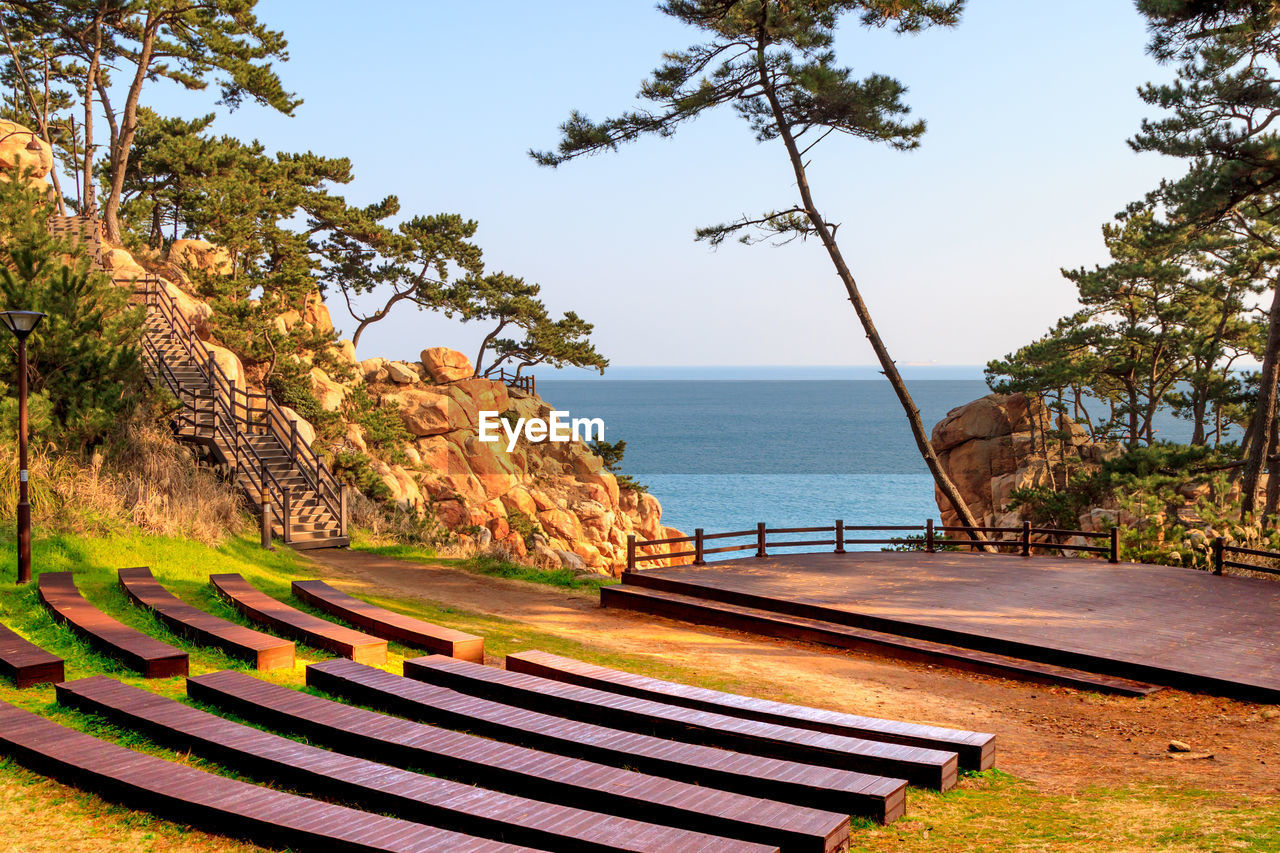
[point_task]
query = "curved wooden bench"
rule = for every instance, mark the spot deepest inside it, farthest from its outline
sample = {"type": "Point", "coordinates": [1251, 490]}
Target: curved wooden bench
{"type": "Point", "coordinates": [503, 767]}
{"type": "Point", "coordinates": [840, 791]}
{"type": "Point", "coordinates": [259, 607]}
{"type": "Point", "coordinates": [975, 749]}
{"type": "Point", "coordinates": [378, 787]}
{"type": "Point", "coordinates": [26, 663]}
{"type": "Point", "coordinates": [262, 650]}
{"type": "Point", "coordinates": [214, 803]}
{"type": "Point", "coordinates": [930, 768]}
{"type": "Point", "coordinates": [390, 625]}
{"type": "Point", "coordinates": [147, 655]}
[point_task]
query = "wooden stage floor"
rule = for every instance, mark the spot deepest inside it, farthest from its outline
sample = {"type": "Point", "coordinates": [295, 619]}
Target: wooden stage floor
{"type": "Point", "coordinates": [1172, 626]}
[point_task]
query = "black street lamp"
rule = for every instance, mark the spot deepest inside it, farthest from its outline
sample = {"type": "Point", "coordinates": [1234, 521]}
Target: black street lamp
{"type": "Point", "coordinates": [22, 324]}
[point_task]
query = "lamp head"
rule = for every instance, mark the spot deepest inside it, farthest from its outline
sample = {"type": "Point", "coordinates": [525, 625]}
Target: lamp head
{"type": "Point", "coordinates": [33, 145]}
{"type": "Point", "coordinates": [21, 323]}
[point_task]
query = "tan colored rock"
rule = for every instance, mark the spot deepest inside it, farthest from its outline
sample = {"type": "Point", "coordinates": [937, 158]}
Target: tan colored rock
{"type": "Point", "coordinates": [374, 369]}
{"type": "Point", "coordinates": [347, 352]}
{"type": "Point", "coordinates": [306, 431]}
{"type": "Point", "coordinates": [426, 412]}
{"type": "Point", "coordinates": [355, 437]}
{"type": "Point", "coordinates": [401, 373]}
{"type": "Point", "coordinates": [196, 312]}
{"type": "Point", "coordinates": [316, 314]}
{"type": "Point", "coordinates": [519, 500]}
{"type": "Point", "coordinates": [446, 365]}
{"type": "Point", "coordinates": [560, 523]}
{"type": "Point", "coordinates": [229, 362]}
{"type": "Point", "coordinates": [329, 393]}
{"type": "Point", "coordinates": [121, 263]}
{"type": "Point", "coordinates": [200, 255]}
{"type": "Point", "coordinates": [14, 151]}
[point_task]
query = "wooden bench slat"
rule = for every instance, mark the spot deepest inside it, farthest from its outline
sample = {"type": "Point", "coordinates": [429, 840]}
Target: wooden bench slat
{"type": "Point", "coordinates": [27, 664]}
{"type": "Point", "coordinates": [368, 784]}
{"type": "Point", "coordinates": [277, 616]}
{"type": "Point", "coordinates": [262, 650]}
{"type": "Point", "coordinates": [924, 767]}
{"type": "Point", "coordinates": [214, 803]}
{"type": "Point", "coordinates": [975, 749]}
{"type": "Point", "coordinates": [147, 655]}
{"type": "Point", "coordinates": [499, 766]}
{"type": "Point", "coordinates": [840, 791]}
{"type": "Point", "coordinates": [390, 625]}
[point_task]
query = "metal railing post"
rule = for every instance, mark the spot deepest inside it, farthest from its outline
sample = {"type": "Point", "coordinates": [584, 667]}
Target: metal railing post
{"type": "Point", "coordinates": [1026, 539]}
{"type": "Point", "coordinates": [266, 523]}
{"type": "Point", "coordinates": [293, 439]}
{"type": "Point", "coordinates": [1115, 544]}
{"type": "Point", "coordinates": [342, 507]}
{"type": "Point", "coordinates": [1219, 544]}
{"type": "Point", "coordinates": [760, 540]}
{"type": "Point", "coordinates": [697, 547]}
{"type": "Point", "coordinates": [631, 552]}
{"type": "Point", "coordinates": [839, 536]}
{"type": "Point", "coordinates": [286, 522]}
{"type": "Point", "coordinates": [929, 546]}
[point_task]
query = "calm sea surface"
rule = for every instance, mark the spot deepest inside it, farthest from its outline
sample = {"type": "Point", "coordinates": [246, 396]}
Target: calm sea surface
{"type": "Point", "coordinates": [725, 454]}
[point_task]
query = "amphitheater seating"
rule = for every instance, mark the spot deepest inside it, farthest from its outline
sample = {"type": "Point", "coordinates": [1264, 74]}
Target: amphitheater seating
{"type": "Point", "coordinates": [25, 663]}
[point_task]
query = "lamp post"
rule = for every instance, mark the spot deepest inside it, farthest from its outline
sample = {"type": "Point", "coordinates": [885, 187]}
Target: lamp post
{"type": "Point", "coordinates": [22, 324]}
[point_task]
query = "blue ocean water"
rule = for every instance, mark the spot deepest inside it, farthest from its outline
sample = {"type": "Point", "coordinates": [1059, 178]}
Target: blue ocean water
{"type": "Point", "coordinates": [724, 454]}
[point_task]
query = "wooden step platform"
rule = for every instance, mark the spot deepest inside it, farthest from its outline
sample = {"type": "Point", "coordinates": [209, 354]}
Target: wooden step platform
{"type": "Point", "coordinates": [783, 626]}
{"type": "Point", "coordinates": [261, 608]}
{"type": "Point", "coordinates": [841, 791]}
{"type": "Point", "coordinates": [390, 625]}
{"type": "Point", "coordinates": [147, 655]}
{"type": "Point", "coordinates": [213, 803]}
{"type": "Point", "coordinates": [928, 768]}
{"type": "Point", "coordinates": [367, 784]}
{"type": "Point", "coordinates": [514, 769]}
{"type": "Point", "coordinates": [976, 750]}
{"type": "Point", "coordinates": [262, 650]}
{"type": "Point", "coordinates": [25, 663]}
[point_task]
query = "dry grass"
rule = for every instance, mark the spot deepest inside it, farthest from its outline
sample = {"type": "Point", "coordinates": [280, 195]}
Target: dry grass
{"type": "Point", "coordinates": [149, 482]}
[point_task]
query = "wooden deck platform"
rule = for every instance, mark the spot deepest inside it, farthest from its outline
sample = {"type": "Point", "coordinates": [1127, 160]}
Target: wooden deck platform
{"type": "Point", "coordinates": [514, 769]}
{"type": "Point", "coordinates": [214, 803]}
{"type": "Point", "coordinates": [1162, 624]}
{"type": "Point", "coordinates": [390, 625]}
{"type": "Point", "coordinates": [768, 623]}
{"type": "Point", "coordinates": [975, 749]}
{"type": "Point", "coordinates": [262, 650]}
{"type": "Point", "coordinates": [378, 787]}
{"type": "Point", "coordinates": [147, 655]}
{"type": "Point", "coordinates": [928, 768]}
{"type": "Point", "coordinates": [841, 791]}
{"type": "Point", "coordinates": [277, 616]}
{"type": "Point", "coordinates": [25, 663]}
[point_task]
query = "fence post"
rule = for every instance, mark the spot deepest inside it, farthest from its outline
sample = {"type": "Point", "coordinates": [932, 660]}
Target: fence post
{"type": "Point", "coordinates": [342, 509]}
{"type": "Point", "coordinates": [1218, 544]}
{"type": "Point", "coordinates": [266, 523]}
{"type": "Point", "coordinates": [1026, 539]}
{"type": "Point", "coordinates": [631, 552]}
{"type": "Point", "coordinates": [293, 438]}
{"type": "Point", "coordinates": [839, 536]}
{"type": "Point", "coordinates": [1115, 544]}
{"type": "Point", "coordinates": [287, 519]}
{"type": "Point", "coordinates": [928, 536]}
{"type": "Point", "coordinates": [697, 547]}
{"type": "Point", "coordinates": [760, 540]}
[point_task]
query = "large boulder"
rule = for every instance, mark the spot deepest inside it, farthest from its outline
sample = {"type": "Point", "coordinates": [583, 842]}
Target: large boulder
{"type": "Point", "coordinates": [201, 256]}
{"type": "Point", "coordinates": [426, 412]}
{"type": "Point", "coordinates": [330, 393]}
{"type": "Point", "coordinates": [229, 362]}
{"type": "Point", "coordinates": [446, 365]}
{"type": "Point", "coordinates": [16, 149]}
{"type": "Point", "coordinates": [401, 373]}
{"type": "Point", "coordinates": [316, 314]}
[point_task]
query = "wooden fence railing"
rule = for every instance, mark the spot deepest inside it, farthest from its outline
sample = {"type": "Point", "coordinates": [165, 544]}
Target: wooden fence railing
{"type": "Point", "coordinates": [1222, 552]}
{"type": "Point", "coordinates": [524, 382]}
{"type": "Point", "coordinates": [928, 537]}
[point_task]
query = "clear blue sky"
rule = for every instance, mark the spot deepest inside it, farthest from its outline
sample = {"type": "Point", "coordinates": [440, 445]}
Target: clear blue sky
{"type": "Point", "coordinates": [957, 246]}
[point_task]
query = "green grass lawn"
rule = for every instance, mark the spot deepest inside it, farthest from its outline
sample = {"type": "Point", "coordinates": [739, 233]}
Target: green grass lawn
{"type": "Point", "coordinates": [563, 578]}
{"type": "Point", "coordinates": [989, 811]}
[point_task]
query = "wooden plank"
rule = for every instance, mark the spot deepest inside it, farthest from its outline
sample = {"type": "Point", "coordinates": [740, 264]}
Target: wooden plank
{"type": "Point", "coordinates": [930, 768]}
{"type": "Point", "coordinates": [390, 625]}
{"type": "Point", "coordinates": [214, 803]}
{"type": "Point", "coordinates": [504, 767]}
{"type": "Point", "coordinates": [754, 620]}
{"type": "Point", "coordinates": [277, 616]}
{"type": "Point", "coordinates": [149, 656]}
{"type": "Point", "coordinates": [975, 749]}
{"type": "Point", "coordinates": [25, 663]}
{"type": "Point", "coordinates": [262, 650]}
{"type": "Point", "coordinates": [1165, 625]}
{"type": "Point", "coordinates": [840, 791]}
{"type": "Point", "coordinates": [378, 787]}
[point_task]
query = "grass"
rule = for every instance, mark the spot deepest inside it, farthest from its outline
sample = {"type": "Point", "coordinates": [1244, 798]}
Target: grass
{"type": "Point", "coordinates": [989, 811]}
{"type": "Point", "coordinates": [563, 578]}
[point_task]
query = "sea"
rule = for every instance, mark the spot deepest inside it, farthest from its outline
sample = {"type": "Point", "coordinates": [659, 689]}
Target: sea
{"type": "Point", "coordinates": [725, 453]}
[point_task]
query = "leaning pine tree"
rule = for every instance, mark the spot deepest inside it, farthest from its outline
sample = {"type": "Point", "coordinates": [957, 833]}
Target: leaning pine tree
{"type": "Point", "coordinates": [772, 61]}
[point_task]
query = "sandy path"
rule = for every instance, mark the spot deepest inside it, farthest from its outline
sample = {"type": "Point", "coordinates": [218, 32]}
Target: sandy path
{"type": "Point", "coordinates": [1060, 738]}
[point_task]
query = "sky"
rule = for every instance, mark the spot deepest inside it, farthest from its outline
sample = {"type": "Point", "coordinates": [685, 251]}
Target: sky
{"type": "Point", "coordinates": [957, 246]}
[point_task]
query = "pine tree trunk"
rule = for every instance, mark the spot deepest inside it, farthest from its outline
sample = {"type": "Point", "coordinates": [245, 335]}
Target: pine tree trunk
{"type": "Point", "coordinates": [887, 364]}
{"type": "Point", "coordinates": [1265, 412]}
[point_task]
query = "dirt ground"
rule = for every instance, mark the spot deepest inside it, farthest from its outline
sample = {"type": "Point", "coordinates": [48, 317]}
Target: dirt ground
{"type": "Point", "coordinates": [1061, 739]}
